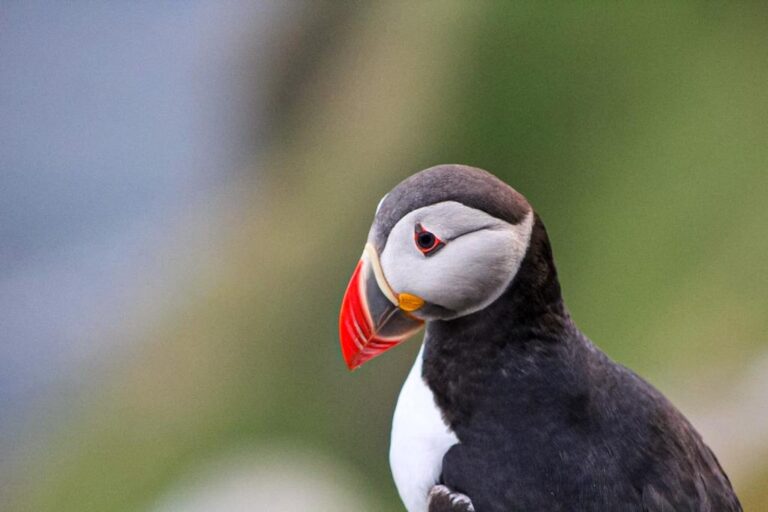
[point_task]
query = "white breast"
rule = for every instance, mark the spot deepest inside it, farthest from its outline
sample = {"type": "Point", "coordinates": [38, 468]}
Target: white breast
{"type": "Point", "coordinates": [420, 438]}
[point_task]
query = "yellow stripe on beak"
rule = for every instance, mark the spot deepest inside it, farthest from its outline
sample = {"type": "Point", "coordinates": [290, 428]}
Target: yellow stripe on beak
{"type": "Point", "coordinates": [405, 301]}
{"type": "Point", "coordinates": [408, 302]}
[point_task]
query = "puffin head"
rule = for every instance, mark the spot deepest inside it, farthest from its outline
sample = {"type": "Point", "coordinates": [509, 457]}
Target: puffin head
{"type": "Point", "coordinates": [445, 243]}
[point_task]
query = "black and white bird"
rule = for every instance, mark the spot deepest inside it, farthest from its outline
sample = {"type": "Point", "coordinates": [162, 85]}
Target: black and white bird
{"type": "Point", "coordinates": [508, 407]}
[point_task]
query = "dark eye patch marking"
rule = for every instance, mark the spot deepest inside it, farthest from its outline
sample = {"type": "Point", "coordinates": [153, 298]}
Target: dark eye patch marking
{"type": "Point", "coordinates": [481, 228]}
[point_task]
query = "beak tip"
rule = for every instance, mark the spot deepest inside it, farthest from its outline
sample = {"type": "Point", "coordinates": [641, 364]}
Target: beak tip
{"type": "Point", "coordinates": [349, 360]}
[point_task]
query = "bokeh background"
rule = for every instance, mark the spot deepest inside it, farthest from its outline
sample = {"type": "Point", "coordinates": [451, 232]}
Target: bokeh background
{"type": "Point", "coordinates": [186, 187]}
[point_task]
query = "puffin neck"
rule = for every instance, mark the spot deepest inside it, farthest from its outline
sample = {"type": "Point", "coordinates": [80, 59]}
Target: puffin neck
{"type": "Point", "coordinates": [524, 330]}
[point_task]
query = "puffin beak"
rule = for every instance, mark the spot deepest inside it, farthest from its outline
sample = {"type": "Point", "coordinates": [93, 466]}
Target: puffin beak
{"type": "Point", "coordinates": [373, 317]}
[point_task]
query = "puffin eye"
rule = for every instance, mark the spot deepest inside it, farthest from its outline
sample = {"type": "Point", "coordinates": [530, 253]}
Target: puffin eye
{"type": "Point", "coordinates": [426, 241]}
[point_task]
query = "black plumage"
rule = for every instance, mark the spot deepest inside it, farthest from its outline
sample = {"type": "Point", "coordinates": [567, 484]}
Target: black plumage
{"type": "Point", "coordinates": [548, 422]}
{"type": "Point", "coordinates": [545, 420]}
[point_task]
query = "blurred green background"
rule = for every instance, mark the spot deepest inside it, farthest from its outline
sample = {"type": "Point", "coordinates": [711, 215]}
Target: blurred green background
{"type": "Point", "coordinates": [638, 132]}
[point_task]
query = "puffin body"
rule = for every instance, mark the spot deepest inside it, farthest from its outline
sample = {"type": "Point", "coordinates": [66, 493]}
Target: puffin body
{"type": "Point", "coordinates": [508, 406]}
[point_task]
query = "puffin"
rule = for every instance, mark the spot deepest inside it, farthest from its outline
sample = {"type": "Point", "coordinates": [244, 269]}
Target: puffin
{"type": "Point", "coordinates": [508, 406]}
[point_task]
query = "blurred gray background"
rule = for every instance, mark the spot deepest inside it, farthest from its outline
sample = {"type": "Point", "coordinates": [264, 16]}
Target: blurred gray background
{"type": "Point", "coordinates": [185, 188]}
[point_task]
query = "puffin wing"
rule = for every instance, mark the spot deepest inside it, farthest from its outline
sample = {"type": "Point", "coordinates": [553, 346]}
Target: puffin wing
{"type": "Point", "coordinates": [442, 499]}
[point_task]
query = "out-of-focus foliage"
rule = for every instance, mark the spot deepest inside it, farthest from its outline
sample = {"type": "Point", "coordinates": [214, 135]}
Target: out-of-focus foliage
{"type": "Point", "coordinates": [639, 134]}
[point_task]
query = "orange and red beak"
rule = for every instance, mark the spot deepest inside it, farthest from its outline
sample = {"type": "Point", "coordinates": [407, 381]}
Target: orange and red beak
{"type": "Point", "coordinates": [373, 317]}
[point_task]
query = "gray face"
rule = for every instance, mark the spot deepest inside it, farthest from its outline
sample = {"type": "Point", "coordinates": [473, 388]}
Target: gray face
{"type": "Point", "coordinates": [477, 260]}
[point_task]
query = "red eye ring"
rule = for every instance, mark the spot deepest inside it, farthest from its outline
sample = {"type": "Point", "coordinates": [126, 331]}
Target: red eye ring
{"type": "Point", "coordinates": [426, 241]}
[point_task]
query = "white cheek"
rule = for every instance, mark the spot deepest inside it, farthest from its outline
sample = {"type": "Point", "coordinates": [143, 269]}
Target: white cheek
{"type": "Point", "coordinates": [467, 274]}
